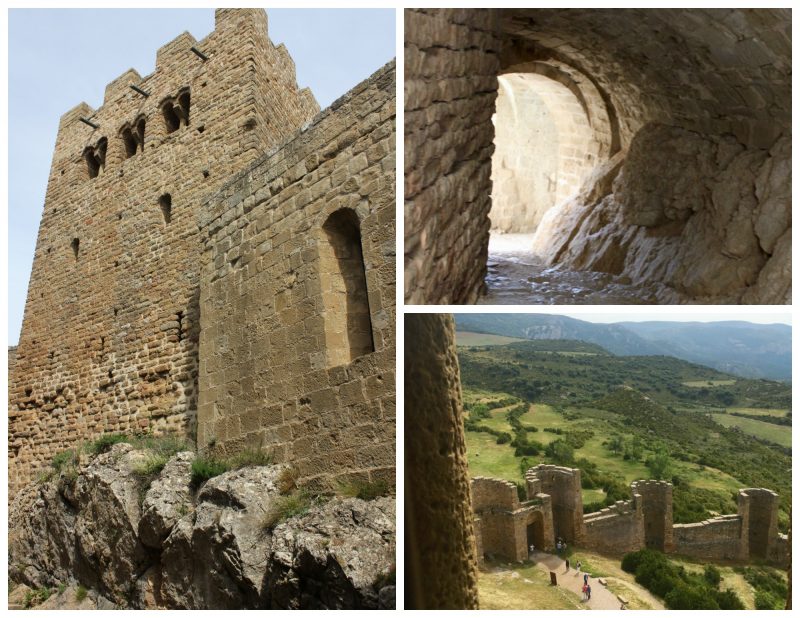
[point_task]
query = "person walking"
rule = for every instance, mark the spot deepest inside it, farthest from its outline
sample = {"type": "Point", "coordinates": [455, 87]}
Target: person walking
{"type": "Point", "coordinates": [567, 565]}
{"type": "Point", "coordinates": [578, 566]}
{"type": "Point", "coordinates": [585, 579]}
{"type": "Point", "coordinates": [588, 592]}
{"type": "Point", "coordinates": [583, 590]}
{"type": "Point", "coordinates": [558, 547]}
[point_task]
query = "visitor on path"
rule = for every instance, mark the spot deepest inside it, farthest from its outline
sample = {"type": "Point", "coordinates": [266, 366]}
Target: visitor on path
{"type": "Point", "coordinates": [531, 549]}
{"type": "Point", "coordinates": [588, 592]}
{"type": "Point", "coordinates": [585, 579]}
{"type": "Point", "coordinates": [567, 565]}
{"type": "Point", "coordinates": [578, 567]}
{"type": "Point", "coordinates": [584, 592]}
{"type": "Point", "coordinates": [558, 547]}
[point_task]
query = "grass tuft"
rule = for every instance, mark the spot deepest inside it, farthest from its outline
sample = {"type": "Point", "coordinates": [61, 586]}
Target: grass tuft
{"type": "Point", "coordinates": [205, 467]}
{"type": "Point", "coordinates": [365, 490]}
{"type": "Point", "coordinates": [285, 507]}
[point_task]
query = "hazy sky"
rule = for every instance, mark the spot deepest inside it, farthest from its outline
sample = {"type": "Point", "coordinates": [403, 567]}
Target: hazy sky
{"type": "Point", "coordinates": [667, 313]}
{"type": "Point", "coordinates": [58, 58]}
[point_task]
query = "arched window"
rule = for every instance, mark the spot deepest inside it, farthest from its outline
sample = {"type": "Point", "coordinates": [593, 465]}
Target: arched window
{"type": "Point", "coordinates": [165, 202]}
{"type": "Point", "coordinates": [95, 157]}
{"type": "Point", "coordinates": [348, 325]}
{"type": "Point", "coordinates": [176, 111]}
{"type": "Point", "coordinates": [133, 137]}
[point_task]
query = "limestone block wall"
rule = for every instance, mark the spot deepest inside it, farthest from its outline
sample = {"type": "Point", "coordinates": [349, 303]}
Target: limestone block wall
{"type": "Point", "coordinates": [110, 333]}
{"type": "Point", "coordinates": [451, 68]}
{"type": "Point", "coordinates": [717, 539]}
{"type": "Point", "coordinates": [495, 501]}
{"type": "Point", "coordinates": [563, 485]}
{"type": "Point", "coordinates": [297, 250]}
{"type": "Point", "coordinates": [616, 529]}
{"type": "Point", "coordinates": [758, 509]}
{"type": "Point", "coordinates": [441, 565]}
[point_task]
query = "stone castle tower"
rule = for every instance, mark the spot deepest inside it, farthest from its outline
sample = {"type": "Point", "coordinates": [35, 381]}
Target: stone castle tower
{"type": "Point", "coordinates": [111, 332]}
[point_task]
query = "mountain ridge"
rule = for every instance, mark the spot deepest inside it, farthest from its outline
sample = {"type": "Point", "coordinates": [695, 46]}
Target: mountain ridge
{"type": "Point", "coordinates": [738, 347]}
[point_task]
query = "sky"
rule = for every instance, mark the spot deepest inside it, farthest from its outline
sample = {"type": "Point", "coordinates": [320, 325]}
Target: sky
{"type": "Point", "coordinates": [58, 58]}
{"type": "Point", "coordinates": [654, 313]}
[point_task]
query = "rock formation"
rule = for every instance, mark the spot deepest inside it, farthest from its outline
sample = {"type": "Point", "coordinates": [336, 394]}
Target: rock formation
{"type": "Point", "coordinates": [169, 547]}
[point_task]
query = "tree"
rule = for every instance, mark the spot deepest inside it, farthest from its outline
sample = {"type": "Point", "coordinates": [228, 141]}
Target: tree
{"type": "Point", "coordinates": [616, 444]}
{"type": "Point", "coordinates": [560, 452]}
{"type": "Point", "coordinates": [659, 465]}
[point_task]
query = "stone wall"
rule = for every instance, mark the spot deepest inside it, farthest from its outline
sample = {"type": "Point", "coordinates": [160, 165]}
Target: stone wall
{"type": "Point", "coordinates": [563, 485]}
{"type": "Point", "coordinates": [110, 333]}
{"type": "Point", "coordinates": [451, 68]}
{"type": "Point", "coordinates": [616, 529]}
{"type": "Point", "coordinates": [716, 539]}
{"type": "Point", "coordinates": [297, 297]}
{"type": "Point", "coordinates": [656, 505]}
{"type": "Point", "coordinates": [441, 559]}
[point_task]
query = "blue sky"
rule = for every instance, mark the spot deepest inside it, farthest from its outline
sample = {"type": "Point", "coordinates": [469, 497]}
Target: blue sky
{"type": "Point", "coordinates": [58, 58]}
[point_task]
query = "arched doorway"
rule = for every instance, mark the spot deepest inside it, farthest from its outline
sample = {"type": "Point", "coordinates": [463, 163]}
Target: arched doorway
{"type": "Point", "coordinates": [534, 527]}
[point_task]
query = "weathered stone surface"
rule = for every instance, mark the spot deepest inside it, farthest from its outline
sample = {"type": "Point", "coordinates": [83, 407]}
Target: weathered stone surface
{"type": "Point", "coordinates": [109, 554]}
{"type": "Point", "coordinates": [331, 558]}
{"type": "Point", "coordinates": [167, 500]}
{"type": "Point", "coordinates": [219, 555]}
{"type": "Point", "coordinates": [41, 527]}
{"type": "Point", "coordinates": [687, 223]}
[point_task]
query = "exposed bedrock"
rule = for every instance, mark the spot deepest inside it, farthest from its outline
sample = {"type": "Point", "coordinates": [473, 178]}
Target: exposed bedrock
{"type": "Point", "coordinates": [702, 216]}
{"type": "Point", "coordinates": [168, 548]}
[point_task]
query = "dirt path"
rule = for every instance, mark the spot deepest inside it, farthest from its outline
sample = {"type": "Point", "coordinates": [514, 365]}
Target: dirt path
{"type": "Point", "coordinates": [573, 581]}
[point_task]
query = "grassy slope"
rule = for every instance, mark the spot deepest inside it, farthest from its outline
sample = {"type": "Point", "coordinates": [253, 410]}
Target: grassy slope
{"type": "Point", "coordinates": [466, 338]}
{"type": "Point", "coordinates": [766, 431]}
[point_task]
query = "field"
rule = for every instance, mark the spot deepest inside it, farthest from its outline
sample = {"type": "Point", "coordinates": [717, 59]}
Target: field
{"type": "Point", "coordinates": [465, 338]}
{"type": "Point", "coordinates": [765, 431]}
{"type": "Point", "coordinates": [613, 418]}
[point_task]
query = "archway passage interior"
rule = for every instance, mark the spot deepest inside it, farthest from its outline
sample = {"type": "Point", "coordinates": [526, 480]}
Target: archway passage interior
{"type": "Point", "coordinates": [650, 148]}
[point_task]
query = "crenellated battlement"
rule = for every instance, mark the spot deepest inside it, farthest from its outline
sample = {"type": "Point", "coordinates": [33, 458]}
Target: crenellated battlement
{"type": "Point", "coordinates": [628, 525]}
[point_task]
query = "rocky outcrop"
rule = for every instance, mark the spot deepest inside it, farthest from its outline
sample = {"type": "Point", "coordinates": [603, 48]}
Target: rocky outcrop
{"type": "Point", "coordinates": [327, 559]}
{"type": "Point", "coordinates": [165, 546]}
{"type": "Point", "coordinates": [700, 215]}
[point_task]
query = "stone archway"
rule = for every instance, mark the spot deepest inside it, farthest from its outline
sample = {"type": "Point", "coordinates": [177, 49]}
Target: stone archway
{"type": "Point", "coordinates": [693, 203]}
{"type": "Point", "coordinates": [535, 534]}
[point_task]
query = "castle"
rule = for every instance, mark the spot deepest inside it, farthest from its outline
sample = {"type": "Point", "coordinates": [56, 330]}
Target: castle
{"type": "Point", "coordinates": [506, 527]}
{"type": "Point", "coordinates": [216, 257]}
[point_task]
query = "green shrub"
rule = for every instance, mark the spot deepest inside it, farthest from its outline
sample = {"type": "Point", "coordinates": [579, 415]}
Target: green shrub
{"type": "Point", "coordinates": [712, 575]}
{"type": "Point", "coordinates": [727, 599]}
{"type": "Point", "coordinates": [152, 466]}
{"type": "Point", "coordinates": [204, 468]}
{"type": "Point", "coordinates": [765, 600]}
{"type": "Point", "coordinates": [37, 596]}
{"type": "Point", "coordinates": [249, 457]}
{"type": "Point", "coordinates": [365, 490]}
{"type": "Point", "coordinates": [689, 597]}
{"type": "Point", "coordinates": [64, 459]}
{"type": "Point", "coordinates": [80, 594]}
{"type": "Point", "coordinates": [104, 443]}
{"type": "Point", "coordinates": [504, 438]}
